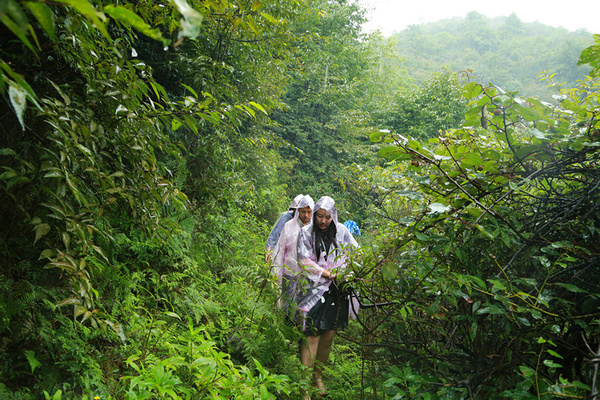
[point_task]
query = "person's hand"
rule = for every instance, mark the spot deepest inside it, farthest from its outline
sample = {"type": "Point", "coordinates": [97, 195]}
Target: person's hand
{"type": "Point", "coordinates": [348, 276]}
{"type": "Point", "coordinates": [340, 275]}
{"type": "Point", "coordinates": [329, 275]}
{"type": "Point", "coordinates": [268, 254]}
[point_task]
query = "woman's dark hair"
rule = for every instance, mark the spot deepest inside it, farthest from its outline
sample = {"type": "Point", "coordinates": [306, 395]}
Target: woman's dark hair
{"type": "Point", "coordinates": [326, 236]}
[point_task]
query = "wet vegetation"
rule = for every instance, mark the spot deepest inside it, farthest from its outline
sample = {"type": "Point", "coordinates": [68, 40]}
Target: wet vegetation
{"type": "Point", "coordinates": [148, 147]}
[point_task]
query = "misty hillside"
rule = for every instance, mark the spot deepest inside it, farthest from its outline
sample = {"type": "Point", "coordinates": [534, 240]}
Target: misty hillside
{"type": "Point", "coordinates": [504, 50]}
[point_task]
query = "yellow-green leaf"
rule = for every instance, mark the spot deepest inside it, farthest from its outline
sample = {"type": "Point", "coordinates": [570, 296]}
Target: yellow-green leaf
{"type": "Point", "coordinates": [87, 10]}
{"type": "Point", "coordinates": [41, 230]}
{"type": "Point", "coordinates": [269, 17]}
{"type": "Point", "coordinates": [44, 16]}
{"type": "Point", "coordinates": [69, 301]}
{"type": "Point", "coordinates": [132, 19]}
{"type": "Point", "coordinates": [46, 254]}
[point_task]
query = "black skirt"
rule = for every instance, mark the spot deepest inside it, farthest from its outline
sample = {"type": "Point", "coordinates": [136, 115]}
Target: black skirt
{"type": "Point", "coordinates": [330, 313]}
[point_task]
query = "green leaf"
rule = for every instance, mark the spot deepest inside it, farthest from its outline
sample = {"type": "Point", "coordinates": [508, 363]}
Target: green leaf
{"type": "Point", "coordinates": [41, 230]}
{"type": "Point", "coordinates": [493, 309]}
{"type": "Point", "coordinates": [18, 99]}
{"type": "Point", "coordinates": [526, 371]}
{"type": "Point", "coordinates": [252, 25]}
{"type": "Point", "coordinates": [44, 16]}
{"type": "Point", "coordinates": [389, 271]}
{"type": "Point", "coordinates": [388, 151]}
{"type": "Point", "coordinates": [20, 82]}
{"type": "Point", "coordinates": [7, 152]}
{"type": "Point", "coordinates": [15, 19]}
{"type": "Point", "coordinates": [422, 236]}
{"type": "Point", "coordinates": [69, 301]}
{"type": "Point", "coordinates": [581, 385]}
{"type": "Point", "coordinates": [173, 315]}
{"type": "Point", "coordinates": [87, 10]}
{"type": "Point", "coordinates": [130, 18]}
{"type": "Point", "coordinates": [485, 232]}
{"type": "Point", "coordinates": [377, 136]}
{"type": "Point", "coordinates": [570, 287]}
{"type": "Point", "coordinates": [8, 174]}
{"type": "Point", "coordinates": [192, 91]}
{"type": "Point", "coordinates": [269, 17]}
{"type": "Point", "coordinates": [497, 285]}
{"type": "Point", "coordinates": [472, 90]}
{"type": "Point", "coordinates": [33, 362]}
{"type": "Point", "coordinates": [210, 117]}
{"type": "Point", "coordinates": [46, 254]}
{"type": "Point", "coordinates": [410, 194]}
{"type": "Point", "coordinates": [528, 113]}
{"type": "Point", "coordinates": [176, 123]}
{"type": "Point", "coordinates": [551, 364]}
{"type": "Point", "coordinates": [258, 107]}
{"type": "Point", "coordinates": [17, 181]}
{"type": "Point", "coordinates": [478, 281]}
{"type": "Point", "coordinates": [553, 353]}
{"type": "Point", "coordinates": [472, 159]}
{"type": "Point", "coordinates": [589, 55]}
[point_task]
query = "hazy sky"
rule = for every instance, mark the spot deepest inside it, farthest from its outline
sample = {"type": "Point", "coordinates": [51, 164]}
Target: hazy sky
{"type": "Point", "coordinates": [396, 15]}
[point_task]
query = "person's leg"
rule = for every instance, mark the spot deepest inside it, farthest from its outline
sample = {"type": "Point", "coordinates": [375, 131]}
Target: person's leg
{"type": "Point", "coordinates": [308, 353]}
{"type": "Point", "coordinates": [308, 350]}
{"type": "Point", "coordinates": [323, 350]}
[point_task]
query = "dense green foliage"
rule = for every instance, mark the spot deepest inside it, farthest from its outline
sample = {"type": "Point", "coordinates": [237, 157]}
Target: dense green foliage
{"type": "Point", "coordinates": [99, 237]}
{"type": "Point", "coordinates": [321, 99]}
{"type": "Point", "coordinates": [427, 110]}
{"type": "Point", "coordinates": [506, 287]}
{"type": "Point", "coordinates": [148, 147]}
{"type": "Point", "coordinates": [506, 51]}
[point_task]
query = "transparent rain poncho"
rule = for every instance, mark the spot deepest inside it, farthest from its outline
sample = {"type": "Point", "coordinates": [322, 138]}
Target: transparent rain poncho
{"type": "Point", "coordinates": [284, 218]}
{"type": "Point", "coordinates": [312, 284]}
{"type": "Point", "coordinates": [285, 251]}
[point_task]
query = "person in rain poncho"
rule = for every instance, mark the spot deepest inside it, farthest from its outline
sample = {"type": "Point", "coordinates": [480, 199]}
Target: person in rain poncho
{"type": "Point", "coordinates": [285, 265]}
{"type": "Point", "coordinates": [276, 231]}
{"type": "Point", "coordinates": [323, 303]}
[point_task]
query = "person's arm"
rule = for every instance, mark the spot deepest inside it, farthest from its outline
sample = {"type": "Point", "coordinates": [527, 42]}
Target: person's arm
{"type": "Point", "coordinates": [307, 259]}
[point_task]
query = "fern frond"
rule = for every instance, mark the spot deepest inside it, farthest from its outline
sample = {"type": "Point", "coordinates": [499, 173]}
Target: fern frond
{"type": "Point", "coordinates": [33, 362]}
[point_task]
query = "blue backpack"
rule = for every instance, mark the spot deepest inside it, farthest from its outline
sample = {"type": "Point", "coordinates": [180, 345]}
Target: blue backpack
{"type": "Point", "coordinates": [352, 227]}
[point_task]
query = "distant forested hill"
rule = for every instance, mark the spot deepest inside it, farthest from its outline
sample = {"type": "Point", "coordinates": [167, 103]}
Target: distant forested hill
{"type": "Point", "coordinates": [504, 50]}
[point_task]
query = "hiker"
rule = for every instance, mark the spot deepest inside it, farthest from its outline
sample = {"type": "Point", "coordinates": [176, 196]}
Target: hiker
{"type": "Point", "coordinates": [278, 227]}
{"type": "Point", "coordinates": [323, 299]}
{"type": "Point", "coordinates": [285, 264]}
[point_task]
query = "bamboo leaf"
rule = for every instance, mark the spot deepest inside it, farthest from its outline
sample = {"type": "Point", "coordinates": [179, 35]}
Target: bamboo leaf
{"type": "Point", "coordinates": [87, 10]}
{"type": "Point", "coordinates": [15, 19]}
{"type": "Point", "coordinates": [130, 18]}
{"type": "Point", "coordinates": [44, 16]}
{"type": "Point", "coordinates": [18, 99]}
